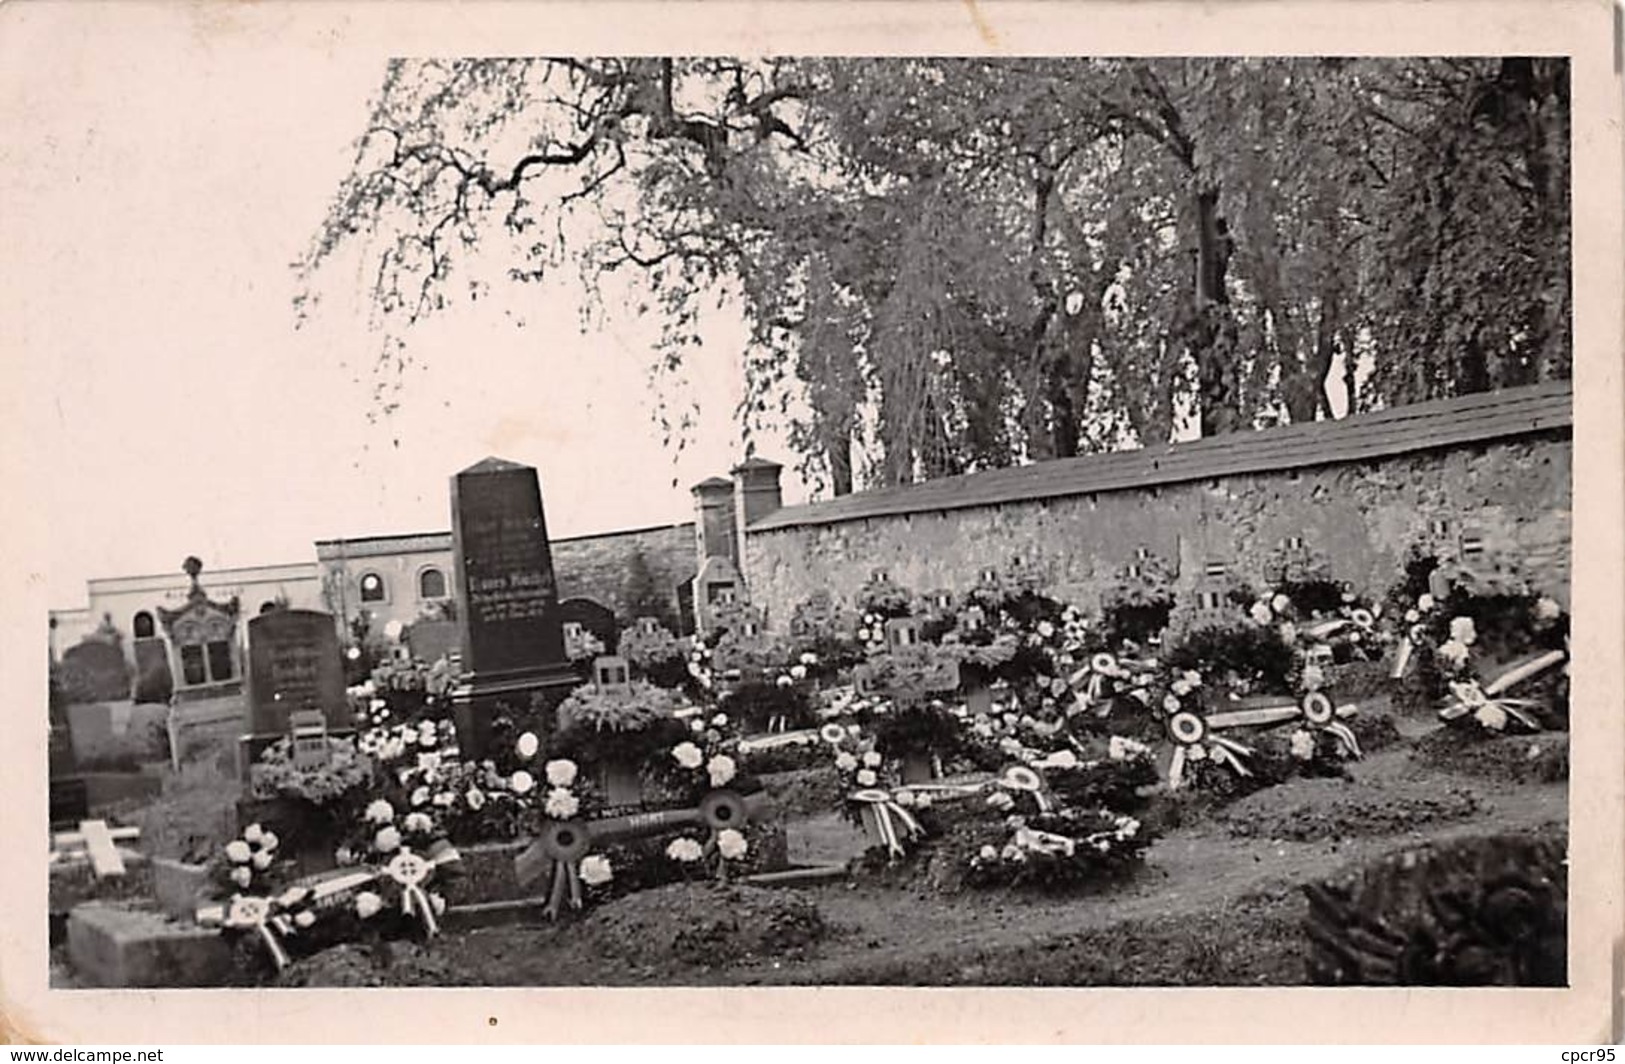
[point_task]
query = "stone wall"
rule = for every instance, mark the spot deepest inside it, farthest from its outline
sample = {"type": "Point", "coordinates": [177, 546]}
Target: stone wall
{"type": "Point", "coordinates": [605, 568]}
{"type": "Point", "coordinates": [1361, 518]}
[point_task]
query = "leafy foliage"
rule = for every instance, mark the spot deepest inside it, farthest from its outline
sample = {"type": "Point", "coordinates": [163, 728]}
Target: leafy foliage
{"type": "Point", "coordinates": [954, 264]}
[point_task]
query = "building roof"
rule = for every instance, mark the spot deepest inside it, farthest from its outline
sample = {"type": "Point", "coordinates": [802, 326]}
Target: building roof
{"type": "Point", "coordinates": [1400, 430]}
{"type": "Point", "coordinates": [410, 542]}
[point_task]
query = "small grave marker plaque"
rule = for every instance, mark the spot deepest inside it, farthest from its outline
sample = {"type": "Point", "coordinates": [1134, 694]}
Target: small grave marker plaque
{"type": "Point", "coordinates": [611, 674]}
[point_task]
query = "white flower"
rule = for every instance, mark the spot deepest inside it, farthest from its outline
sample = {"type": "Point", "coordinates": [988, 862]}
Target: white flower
{"type": "Point", "coordinates": [1303, 745]}
{"type": "Point", "coordinates": [863, 635]}
{"type": "Point", "coordinates": [871, 759]}
{"type": "Point", "coordinates": [1547, 609]}
{"type": "Point", "coordinates": [1280, 604]}
{"type": "Point", "coordinates": [688, 755]}
{"type": "Point", "coordinates": [253, 833]}
{"type": "Point", "coordinates": [1463, 631]}
{"type": "Point", "coordinates": [560, 773]}
{"type": "Point", "coordinates": [1193, 677]}
{"type": "Point", "coordinates": [474, 799]}
{"type": "Point", "coordinates": [1010, 747]}
{"type": "Point", "coordinates": [344, 856]}
{"type": "Point", "coordinates": [798, 672]}
{"type": "Point", "coordinates": [845, 761]}
{"type": "Point", "coordinates": [242, 876]}
{"type": "Point", "coordinates": [304, 918]}
{"type": "Point", "coordinates": [1412, 616]}
{"type": "Point", "coordinates": [1062, 759]}
{"type": "Point", "coordinates": [1424, 602]}
{"type": "Point", "coordinates": [527, 745]}
{"type": "Point", "coordinates": [367, 904]}
{"type": "Point", "coordinates": [561, 804]}
{"type": "Point", "coordinates": [268, 841]}
{"type": "Point", "coordinates": [1117, 749]}
{"type": "Point", "coordinates": [1180, 687]}
{"type": "Point", "coordinates": [684, 849]}
{"type": "Point", "coordinates": [1046, 629]}
{"type": "Point", "coordinates": [1000, 800]}
{"type": "Point", "coordinates": [262, 860]}
{"type": "Point", "coordinates": [904, 797]}
{"type": "Point", "coordinates": [1196, 752]}
{"type": "Point", "coordinates": [988, 853]}
{"type": "Point", "coordinates": [1454, 651]}
{"type": "Point", "coordinates": [719, 721]}
{"type": "Point", "coordinates": [866, 777]}
{"type": "Point", "coordinates": [596, 870]}
{"type": "Point", "coordinates": [1314, 678]}
{"type": "Point", "coordinates": [387, 840]}
{"type": "Point", "coordinates": [854, 729]}
{"type": "Point", "coordinates": [420, 796]}
{"type": "Point", "coordinates": [237, 851]}
{"type": "Point", "coordinates": [722, 769]}
{"type": "Point", "coordinates": [1012, 852]}
{"type": "Point", "coordinates": [731, 844]}
{"type": "Point", "coordinates": [1289, 632]}
{"type": "Point", "coordinates": [922, 801]}
{"type": "Point", "coordinates": [1261, 612]}
{"type": "Point", "coordinates": [419, 823]}
{"type": "Point", "coordinates": [784, 681]}
{"type": "Point", "coordinates": [521, 782]}
{"type": "Point", "coordinates": [809, 658]}
{"type": "Point", "coordinates": [1171, 703]}
{"type": "Point", "coordinates": [1491, 716]}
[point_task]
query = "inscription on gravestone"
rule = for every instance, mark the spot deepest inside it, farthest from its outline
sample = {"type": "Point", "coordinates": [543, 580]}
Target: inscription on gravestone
{"type": "Point", "coordinates": [294, 664]}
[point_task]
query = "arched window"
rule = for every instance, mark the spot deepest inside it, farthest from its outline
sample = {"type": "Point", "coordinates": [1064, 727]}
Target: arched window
{"type": "Point", "coordinates": [372, 588]}
{"type": "Point", "coordinates": [431, 584]}
{"type": "Point", "coordinates": [143, 625]}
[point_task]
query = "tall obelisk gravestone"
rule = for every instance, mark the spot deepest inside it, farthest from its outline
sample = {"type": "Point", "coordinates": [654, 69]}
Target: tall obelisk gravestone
{"type": "Point", "coordinates": [508, 605]}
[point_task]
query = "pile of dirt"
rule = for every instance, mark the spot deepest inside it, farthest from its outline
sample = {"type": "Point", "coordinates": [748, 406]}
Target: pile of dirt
{"type": "Point", "coordinates": [356, 964]}
{"type": "Point", "coordinates": [1314, 810]}
{"type": "Point", "coordinates": [703, 925]}
{"type": "Point", "coordinates": [1542, 758]}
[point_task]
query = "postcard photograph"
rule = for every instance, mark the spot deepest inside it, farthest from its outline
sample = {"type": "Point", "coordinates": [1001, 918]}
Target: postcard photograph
{"type": "Point", "coordinates": [777, 516]}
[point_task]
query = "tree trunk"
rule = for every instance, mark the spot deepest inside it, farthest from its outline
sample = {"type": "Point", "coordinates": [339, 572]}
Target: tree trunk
{"type": "Point", "coordinates": [1213, 344]}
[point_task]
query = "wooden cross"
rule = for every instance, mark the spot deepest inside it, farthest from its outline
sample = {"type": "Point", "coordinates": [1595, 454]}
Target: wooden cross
{"type": "Point", "coordinates": [99, 843]}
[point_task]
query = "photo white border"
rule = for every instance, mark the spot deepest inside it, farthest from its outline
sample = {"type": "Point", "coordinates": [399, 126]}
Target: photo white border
{"type": "Point", "coordinates": [39, 40]}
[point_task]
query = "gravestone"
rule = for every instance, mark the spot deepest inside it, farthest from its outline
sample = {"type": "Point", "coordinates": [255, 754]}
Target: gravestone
{"type": "Point", "coordinates": [294, 664]}
{"type": "Point", "coordinates": [95, 671]}
{"type": "Point", "coordinates": [153, 680]}
{"type": "Point", "coordinates": [512, 639]}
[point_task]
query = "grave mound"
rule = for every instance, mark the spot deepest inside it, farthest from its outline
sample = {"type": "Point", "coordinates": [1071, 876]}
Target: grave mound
{"type": "Point", "coordinates": [1542, 758]}
{"type": "Point", "coordinates": [1314, 810]}
{"type": "Point", "coordinates": [703, 925]}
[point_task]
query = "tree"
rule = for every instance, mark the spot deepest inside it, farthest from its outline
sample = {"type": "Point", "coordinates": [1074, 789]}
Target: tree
{"type": "Point", "coordinates": [952, 264]}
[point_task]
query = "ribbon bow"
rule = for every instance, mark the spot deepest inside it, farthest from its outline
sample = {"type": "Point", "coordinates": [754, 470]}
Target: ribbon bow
{"type": "Point", "coordinates": [246, 913]}
{"type": "Point", "coordinates": [1195, 739]}
{"type": "Point", "coordinates": [409, 872]}
{"type": "Point", "coordinates": [888, 815]}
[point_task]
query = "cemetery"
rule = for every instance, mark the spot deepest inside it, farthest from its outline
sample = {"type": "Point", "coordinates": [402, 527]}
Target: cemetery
{"type": "Point", "coordinates": [1333, 753]}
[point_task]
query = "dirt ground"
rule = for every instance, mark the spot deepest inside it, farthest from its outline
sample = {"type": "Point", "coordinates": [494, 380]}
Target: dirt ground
{"type": "Point", "coordinates": [1217, 903]}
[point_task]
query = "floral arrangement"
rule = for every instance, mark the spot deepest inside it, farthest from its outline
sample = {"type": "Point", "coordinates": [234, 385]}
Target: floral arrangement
{"type": "Point", "coordinates": [880, 600]}
{"type": "Point", "coordinates": [274, 774]}
{"type": "Point", "coordinates": [1137, 607]}
{"type": "Point", "coordinates": [273, 914]}
{"type": "Point", "coordinates": [626, 726]}
{"type": "Point", "coordinates": [657, 655]}
{"type": "Point", "coordinates": [582, 646]}
{"type": "Point", "coordinates": [1476, 643]}
{"type": "Point", "coordinates": [783, 704]}
{"type": "Point", "coordinates": [1058, 849]}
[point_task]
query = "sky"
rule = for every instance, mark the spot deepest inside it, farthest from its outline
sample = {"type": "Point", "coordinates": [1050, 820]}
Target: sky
{"type": "Point", "coordinates": [157, 194]}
